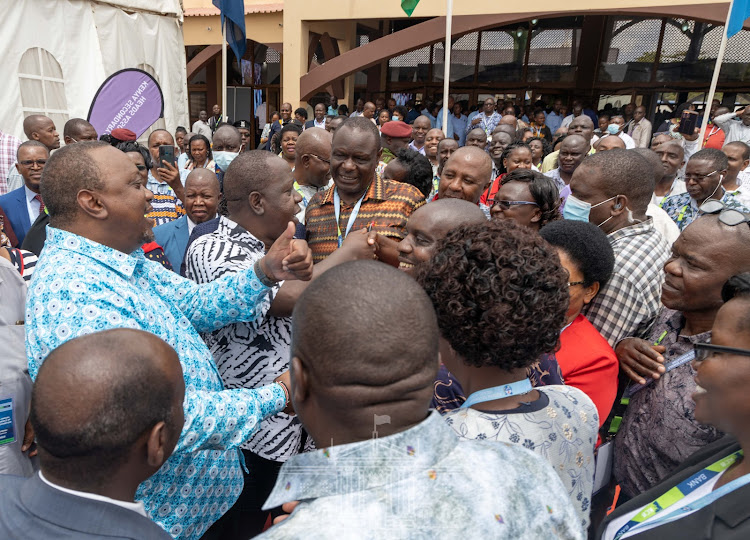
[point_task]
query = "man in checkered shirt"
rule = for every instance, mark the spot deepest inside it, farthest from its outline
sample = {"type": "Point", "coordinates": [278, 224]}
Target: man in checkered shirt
{"type": "Point", "coordinates": [8, 148]}
{"type": "Point", "coordinates": [618, 185]}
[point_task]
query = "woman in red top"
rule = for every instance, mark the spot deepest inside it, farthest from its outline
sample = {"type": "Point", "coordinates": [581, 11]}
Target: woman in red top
{"type": "Point", "coordinates": [586, 359]}
{"type": "Point", "coordinates": [515, 156]}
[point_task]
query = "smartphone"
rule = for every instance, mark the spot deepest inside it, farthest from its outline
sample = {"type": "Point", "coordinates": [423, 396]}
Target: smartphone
{"type": "Point", "coordinates": [688, 122]}
{"type": "Point", "coordinates": [166, 153]}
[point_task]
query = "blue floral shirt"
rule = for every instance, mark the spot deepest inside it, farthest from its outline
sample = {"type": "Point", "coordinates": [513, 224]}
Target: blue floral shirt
{"type": "Point", "coordinates": [683, 209]}
{"type": "Point", "coordinates": [561, 426]}
{"type": "Point", "coordinates": [80, 287]}
{"type": "Point", "coordinates": [422, 483]}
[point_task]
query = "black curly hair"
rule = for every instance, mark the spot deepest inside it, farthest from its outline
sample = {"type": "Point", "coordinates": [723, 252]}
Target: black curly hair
{"type": "Point", "coordinates": [546, 146]}
{"type": "Point", "coordinates": [499, 292]}
{"type": "Point", "coordinates": [133, 146]}
{"type": "Point", "coordinates": [586, 245]}
{"type": "Point", "coordinates": [419, 169]}
{"type": "Point", "coordinates": [543, 190]}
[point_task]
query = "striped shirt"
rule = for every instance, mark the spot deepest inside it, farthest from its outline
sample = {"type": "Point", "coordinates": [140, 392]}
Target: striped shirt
{"type": "Point", "coordinates": [387, 205]}
{"type": "Point", "coordinates": [248, 354]}
{"type": "Point", "coordinates": [166, 206]}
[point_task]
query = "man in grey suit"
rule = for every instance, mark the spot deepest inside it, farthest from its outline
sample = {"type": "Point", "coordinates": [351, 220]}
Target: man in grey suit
{"type": "Point", "coordinates": [107, 412]}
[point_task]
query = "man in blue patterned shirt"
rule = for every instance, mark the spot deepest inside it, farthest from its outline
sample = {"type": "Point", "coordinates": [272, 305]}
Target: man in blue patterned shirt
{"type": "Point", "coordinates": [93, 276]}
{"type": "Point", "coordinates": [704, 173]}
{"type": "Point", "coordinates": [387, 467]}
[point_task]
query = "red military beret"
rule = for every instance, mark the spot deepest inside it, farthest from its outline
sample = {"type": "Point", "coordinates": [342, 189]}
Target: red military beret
{"type": "Point", "coordinates": [122, 134]}
{"type": "Point", "coordinates": [396, 128]}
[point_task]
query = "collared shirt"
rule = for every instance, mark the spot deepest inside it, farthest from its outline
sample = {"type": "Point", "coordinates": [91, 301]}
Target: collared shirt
{"type": "Point", "coordinates": [734, 128]}
{"type": "Point", "coordinates": [413, 146]}
{"type": "Point", "coordinates": [659, 429]}
{"type": "Point", "coordinates": [553, 121]}
{"type": "Point", "coordinates": [628, 304]}
{"type": "Point", "coordinates": [248, 354]}
{"type": "Point", "coordinates": [166, 205]}
{"type": "Point", "coordinates": [307, 193]}
{"type": "Point", "coordinates": [561, 426]}
{"type": "Point", "coordinates": [459, 128]}
{"type": "Point", "coordinates": [321, 125]}
{"type": "Point", "coordinates": [332, 111]}
{"type": "Point", "coordinates": [134, 506]}
{"type": "Point", "coordinates": [422, 483]}
{"type": "Point", "coordinates": [32, 204]}
{"type": "Point", "coordinates": [487, 123]}
{"type": "Point", "coordinates": [8, 149]}
{"type": "Point", "coordinates": [80, 287]}
{"type": "Point", "coordinates": [641, 132]}
{"type": "Point", "coordinates": [684, 210]}
{"type": "Point", "coordinates": [678, 186]}
{"type": "Point", "coordinates": [554, 175]}
{"type": "Point", "coordinates": [202, 128]}
{"type": "Point", "coordinates": [192, 224]}
{"type": "Point", "coordinates": [386, 204]}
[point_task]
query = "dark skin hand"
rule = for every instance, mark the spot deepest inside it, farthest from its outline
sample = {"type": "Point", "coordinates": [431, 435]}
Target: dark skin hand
{"type": "Point", "coordinates": [169, 174]}
{"type": "Point", "coordinates": [387, 251]}
{"type": "Point", "coordinates": [286, 378]}
{"type": "Point", "coordinates": [640, 360]}
{"type": "Point", "coordinates": [288, 258]}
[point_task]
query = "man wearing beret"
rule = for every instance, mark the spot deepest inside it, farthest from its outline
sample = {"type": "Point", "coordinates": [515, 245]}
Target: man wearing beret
{"type": "Point", "coordinates": [394, 136]}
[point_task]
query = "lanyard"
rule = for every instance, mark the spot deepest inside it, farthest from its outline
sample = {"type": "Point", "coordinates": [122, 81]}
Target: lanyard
{"type": "Point", "coordinates": [298, 189]}
{"type": "Point", "coordinates": [669, 366]}
{"type": "Point", "coordinates": [648, 515]}
{"type": "Point", "coordinates": [681, 216]}
{"type": "Point", "coordinates": [498, 392]}
{"type": "Point", "coordinates": [352, 217]}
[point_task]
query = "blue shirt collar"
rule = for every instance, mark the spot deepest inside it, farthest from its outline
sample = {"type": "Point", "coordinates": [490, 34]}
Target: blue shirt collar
{"type": "Point", "coordinates": [122, 263]}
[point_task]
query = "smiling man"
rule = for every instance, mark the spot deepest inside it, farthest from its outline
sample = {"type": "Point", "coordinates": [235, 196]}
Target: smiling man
{"type": "Point", "coordinates": [93, 276]}
{"type": "Point", "coordinates": [419, 133]}
{"type": "Point", "coordinates": [572, 151]}
{"type": "Point", "coordinates": [704, 174]}
{"type": "Point", "coordinates": [650, 444]}
{"type": "Point", "coordinates": [359, 198]}
{"type": "Point", "coordinates": [466, 175]}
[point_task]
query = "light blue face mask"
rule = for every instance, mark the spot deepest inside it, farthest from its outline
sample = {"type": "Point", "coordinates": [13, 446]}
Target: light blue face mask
{"type": "Point", "coordinates": [223, 159]}
{"type": "Point", "coordinates": [613, 129]}
{"type": "Point", "coordinates": [577, 210]}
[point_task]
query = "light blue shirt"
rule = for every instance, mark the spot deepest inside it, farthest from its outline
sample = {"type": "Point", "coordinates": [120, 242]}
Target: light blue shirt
{"type": "Point", "coordinates": [182, 162]}
{"type": "Point", "coordinates": [423, 483]}
{"type": "Point", "coordinates": [553, 121]}
{"type": "Point", "coordinates": [80, 287]}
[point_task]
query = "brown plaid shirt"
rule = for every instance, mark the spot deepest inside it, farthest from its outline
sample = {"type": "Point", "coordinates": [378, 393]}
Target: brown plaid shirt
{"type": "Point", "coordinates": [387, 205]}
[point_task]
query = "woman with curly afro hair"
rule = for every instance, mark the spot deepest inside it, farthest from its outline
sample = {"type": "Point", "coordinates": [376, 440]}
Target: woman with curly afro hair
{"type": "Point", "coordinates": [527, 197]}
{"type": "Point", "coordinates": [501, 296]}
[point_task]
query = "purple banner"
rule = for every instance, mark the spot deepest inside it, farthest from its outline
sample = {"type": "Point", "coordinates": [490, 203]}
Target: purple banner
{"type": "Point", "coordinates": [130, 99]}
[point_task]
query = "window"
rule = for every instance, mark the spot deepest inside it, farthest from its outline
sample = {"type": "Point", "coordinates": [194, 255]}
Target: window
{"type": "Point", "coordinates": [42, 86]}
{"type": "Point", "coordinates": [631, 50]}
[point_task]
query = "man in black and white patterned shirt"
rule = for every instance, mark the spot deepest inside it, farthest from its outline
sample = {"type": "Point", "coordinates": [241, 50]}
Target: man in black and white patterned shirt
{"type": "Point", "coordinates": [261, 201]}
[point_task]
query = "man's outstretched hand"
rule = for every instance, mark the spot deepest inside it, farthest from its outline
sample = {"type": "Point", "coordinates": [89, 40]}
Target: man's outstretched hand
{"type": "Point", "coordinates": [288, 258]}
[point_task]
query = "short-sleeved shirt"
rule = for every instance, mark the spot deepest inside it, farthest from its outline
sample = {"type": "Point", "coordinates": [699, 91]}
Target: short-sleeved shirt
{"type": "Point", "coordinates": [684, 210]}
{"type": "Point", "coordinates": [387, 204]}
{"type": "Point", "coordinates": [166, 206]}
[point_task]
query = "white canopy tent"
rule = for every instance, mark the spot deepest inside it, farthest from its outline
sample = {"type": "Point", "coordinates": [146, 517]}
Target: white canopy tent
{"type": "Point", "coordinates": [56, 54]}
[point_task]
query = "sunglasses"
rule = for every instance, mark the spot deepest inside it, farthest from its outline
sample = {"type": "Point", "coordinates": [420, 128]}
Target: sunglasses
{"type": "Point", "coordinates": [505, 205]}
{"type": "Point", "coordinates": [727, 216]}
{"type": "Point", "coordinates": [30, 162]}
{"type": "Point", "coordinates": [703, 351]}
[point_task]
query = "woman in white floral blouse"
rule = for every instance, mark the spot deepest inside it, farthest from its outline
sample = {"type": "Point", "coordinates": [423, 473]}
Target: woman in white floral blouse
{"type": "Point", "coordinates": [501, 296]}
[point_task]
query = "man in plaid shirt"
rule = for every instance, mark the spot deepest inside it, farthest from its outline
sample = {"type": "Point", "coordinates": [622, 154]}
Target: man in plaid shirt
{"type": "Point", "coordinates": [615, 187]}
{"type": "Point", "coordinates": [8, 148]}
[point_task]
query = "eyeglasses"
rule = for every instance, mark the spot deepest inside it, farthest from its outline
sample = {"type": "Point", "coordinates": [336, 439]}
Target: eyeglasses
{"type": "Point", "coordinates": [505, 205]}
{"type": "Point", "coordinates": [703, 351]}
{"type": "Point", "coordinates": [572, 283]}
{"type": "Point", "coordinates": [30, 162]}
{"type": "Point", "coordinates": [698, 177]}
{"type": "Point", "coordinates": [324, 160]}
{"type": "Point", "coordinates": [728, 216]}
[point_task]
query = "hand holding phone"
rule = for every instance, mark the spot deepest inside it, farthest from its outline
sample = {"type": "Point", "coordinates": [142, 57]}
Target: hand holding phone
{"type": "Point", "coordinates": [166, 153]}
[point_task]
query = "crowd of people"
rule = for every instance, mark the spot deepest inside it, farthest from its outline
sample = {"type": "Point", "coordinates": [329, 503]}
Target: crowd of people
{"type": "Point", "coordinates": [529, 324]}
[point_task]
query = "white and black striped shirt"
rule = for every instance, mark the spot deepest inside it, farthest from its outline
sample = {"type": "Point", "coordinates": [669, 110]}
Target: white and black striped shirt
{"type": "Point", "coordinates": [248, 355]}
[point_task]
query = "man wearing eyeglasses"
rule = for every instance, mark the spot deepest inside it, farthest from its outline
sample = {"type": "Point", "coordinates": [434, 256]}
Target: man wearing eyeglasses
{"type": "Point", "coordinates": [704, 174]}
{"type": "Point", "coordinates": [23, 205]}
{"type": "Point", "coordinates": [659, 429]}
{"type": "Point", "coordinates": [312, 166]}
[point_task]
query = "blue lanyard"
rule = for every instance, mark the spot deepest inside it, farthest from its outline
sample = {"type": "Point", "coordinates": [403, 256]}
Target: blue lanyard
{"type": "Point", "coordinates": [669, 366]}
{"type": "Point", "coordinates": [649, 515]}
{"type": "Point", "coordinates": [352, 217]}
{"type": "Point", "coordinates": [498, 392]}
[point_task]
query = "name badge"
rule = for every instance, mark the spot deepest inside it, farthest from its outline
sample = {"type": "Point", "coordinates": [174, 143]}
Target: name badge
{"type": "Point", "coordinates": [7, 434]}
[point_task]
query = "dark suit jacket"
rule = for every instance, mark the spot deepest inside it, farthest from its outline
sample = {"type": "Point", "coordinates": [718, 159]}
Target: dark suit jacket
{"type": "Point", "coordinates": [14, 206]}
{"type": "Point", "coordinates": [727, 518]}
{"type": "Point", "coordinates": [36, 236]}
{"type": "Point", "coordinates": [173, 237]}
{"type": "Point", "coordinates": [310, 123]}
{"type": "Point", "coordinates": [32, 509]}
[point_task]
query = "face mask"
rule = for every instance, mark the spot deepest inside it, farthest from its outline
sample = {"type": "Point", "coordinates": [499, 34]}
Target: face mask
{"type": "Point", "coordinates": [577, 210]}
{"type": "Point", "coordinates": [223, 159]}
{"type": "Point", "coordinates": [613, 129]}
{"type": "Point", "coordinates": [396, 118]}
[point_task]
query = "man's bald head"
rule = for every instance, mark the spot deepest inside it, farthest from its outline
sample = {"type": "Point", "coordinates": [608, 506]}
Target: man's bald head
{"type": "Point", "coordinates": [476, 137]}
{"type": "Point", "coordinates": [38, 127]}
{"type": "Point", "coordinates": [466, 174]}
{"type": "Point", "coordinates": [653, 159]}
{"type": "Point", "coordinates": [342, 374]}
{"type": "Point", "coordinates": [250, 171]}
{"type": "Point", "coordinates": [78, 130]}
{"type": "Point", "coordinates": [510, 129]}
{"type": "Point", "coordinates": [226, 138]}
{"type": "Point", "coordinates": [96, 396]}
{"type": "Point", "coordinates": [313, 141]}
{"type": "Point", "coordinates": [202, 177]}
{"type": "Point", "coordinates": [610, 142]}
{"type": "Point", "coordinates": [509, 120]}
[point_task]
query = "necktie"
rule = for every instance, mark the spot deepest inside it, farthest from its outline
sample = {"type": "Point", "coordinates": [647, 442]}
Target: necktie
{"type": "Point", "coordinates": [38, 197]}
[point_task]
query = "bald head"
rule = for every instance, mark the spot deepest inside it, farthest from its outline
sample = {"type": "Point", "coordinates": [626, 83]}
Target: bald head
{"type": "Point", "coordinates": [227, 139]}
{"type": "Point", "coordinates": [202, 177]}
{"type": "Point", "coordinates": [476, 137]}
{"type": "Point", "coordinates": [250, 171]}
{"type": "Point", "coordinates": [610, 142]}
{"type": "Point", "coordinates": [78, 130]}
{"type": "Point", "coordinates": [314, 141]}
{"type": "Point", "coordinates": [509, 120]}
{"type": "Point", "coordinates": [313, 157]}
{"type": "Point", "coordinates": [341, 376]}
{"type": "Point", "coordinates": [653, 159]}
{"type": "Point", "coordinates": [465, 175]}
{"type": "Point", "coordinates": [38, 127]}
{"type": "Point", "coordinates": [506, 128]}
{"type": "Point", "coordinates": [133, 382]}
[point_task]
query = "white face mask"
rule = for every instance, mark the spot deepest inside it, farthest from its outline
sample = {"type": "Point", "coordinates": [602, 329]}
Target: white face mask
{"type": "Point", "coordinates": [224, 159]}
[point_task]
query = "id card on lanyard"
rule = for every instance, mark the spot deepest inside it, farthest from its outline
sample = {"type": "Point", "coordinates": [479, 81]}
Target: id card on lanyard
{"type": "Point", "coordinates": [352, 217]}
